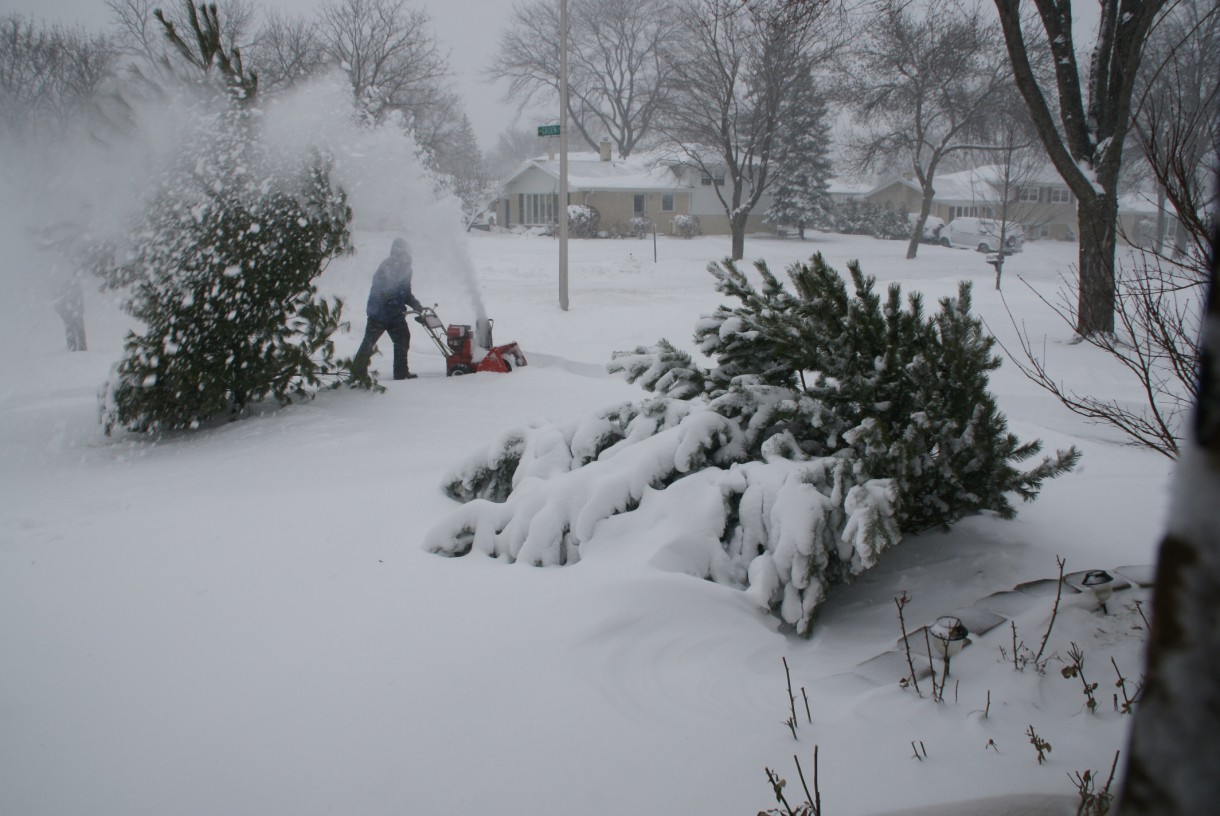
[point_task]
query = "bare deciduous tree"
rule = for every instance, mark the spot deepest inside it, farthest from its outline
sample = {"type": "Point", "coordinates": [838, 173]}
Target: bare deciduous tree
{"type": "Point", "coordinates": [49, 75]}
{"type": "Point", "coordinates": [48, 71]}
{"type": "Point", "coordinates": [736, 66]}
{"type": "Point", "coordinates": [1157, 311]}
{"type": "Point", "coordinates": [1010, 173]}
{"type": "Point", "coordinates": [1159, 288]}
{"type": "Point", "coordinates": [1177, 120]}
{"type": "Point", "coordinates": [924, 86]}
{"type": "Point", "coordinates": [392, 59]}
{"type": "Point", "coordinates": [618, 66]}
{"type": "Point", "coordinates": [514, 146]}
{"type": "Point", "coordinates": [286, 50]}
{"type": "Point", "coordinates": [1085, 140]}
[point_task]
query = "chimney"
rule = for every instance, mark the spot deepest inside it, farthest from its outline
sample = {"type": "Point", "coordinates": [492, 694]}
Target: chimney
{"type": "Point", "coordinates": [605, 148]}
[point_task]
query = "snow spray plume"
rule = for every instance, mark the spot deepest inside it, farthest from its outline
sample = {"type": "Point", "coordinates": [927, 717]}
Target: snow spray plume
{"type": "Point", "coordinates": [389, 189]}
{"type": "Point", "coordinates": [92, 181]}
{"type": "Point", "coordinates": [68, 184]}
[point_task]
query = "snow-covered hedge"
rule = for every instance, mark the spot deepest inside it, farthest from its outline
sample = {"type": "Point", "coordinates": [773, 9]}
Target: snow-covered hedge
{"type": "Point", "coordinates": [583, 221]}
{"type": "Point", "coordinates": [686, 226]}
{"type": "Point", "coordinates": [831, 423]}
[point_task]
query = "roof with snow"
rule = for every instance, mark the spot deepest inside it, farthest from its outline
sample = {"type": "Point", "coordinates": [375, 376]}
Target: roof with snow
{"type": "Point", "coordinates": [1139, 202]}
{"type": "Point", "coordinates": [968, 185]}
{"type": "Point", "coordinates": [837, 186]}
{"type": "Point", "coordinates": [587, 173]}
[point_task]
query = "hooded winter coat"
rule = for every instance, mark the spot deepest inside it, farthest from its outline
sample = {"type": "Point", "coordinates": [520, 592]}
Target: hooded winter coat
{"type": "Point", "coordinates": [390, 294]}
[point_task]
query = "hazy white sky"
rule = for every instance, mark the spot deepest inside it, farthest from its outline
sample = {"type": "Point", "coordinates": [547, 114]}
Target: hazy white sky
{"type": "Point", "coordinates": [469, 29]}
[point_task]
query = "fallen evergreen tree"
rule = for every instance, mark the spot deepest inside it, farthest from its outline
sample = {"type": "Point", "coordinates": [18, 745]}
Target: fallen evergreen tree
{"type": "Point", "coordinates": [832, 422]}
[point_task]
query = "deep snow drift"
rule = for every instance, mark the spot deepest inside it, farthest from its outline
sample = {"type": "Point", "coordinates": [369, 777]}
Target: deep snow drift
{"type": "Point", "coordinates": [244, 620]}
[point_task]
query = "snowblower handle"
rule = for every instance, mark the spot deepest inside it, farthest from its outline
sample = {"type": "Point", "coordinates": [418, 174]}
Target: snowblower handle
{"type": "Point", "coordinates": [427, 318]}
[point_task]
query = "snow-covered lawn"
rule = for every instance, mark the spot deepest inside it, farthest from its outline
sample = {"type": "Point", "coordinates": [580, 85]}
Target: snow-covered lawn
{"type": "Point", "coordinates": [242, 620]}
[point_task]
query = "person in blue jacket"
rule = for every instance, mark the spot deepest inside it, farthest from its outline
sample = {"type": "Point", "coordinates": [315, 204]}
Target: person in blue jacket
{"type": "Point", "coordinates": [389, 297]}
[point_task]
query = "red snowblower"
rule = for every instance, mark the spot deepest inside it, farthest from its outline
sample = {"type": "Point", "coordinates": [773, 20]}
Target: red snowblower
{"type": "Point", "coordinates": [468, 350]}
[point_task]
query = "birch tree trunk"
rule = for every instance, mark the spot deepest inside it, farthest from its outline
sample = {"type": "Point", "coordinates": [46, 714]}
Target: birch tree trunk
{"type": "Point", "coordinates": [1175, 739]}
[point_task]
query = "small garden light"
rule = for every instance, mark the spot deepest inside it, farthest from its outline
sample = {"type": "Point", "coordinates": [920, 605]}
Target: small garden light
{"type": "Point", "coordinates": [948, 638]}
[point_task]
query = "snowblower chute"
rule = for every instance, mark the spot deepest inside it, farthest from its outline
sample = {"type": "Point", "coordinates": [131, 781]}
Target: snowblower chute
{"type": "Point", "coordinates": [466, 349]}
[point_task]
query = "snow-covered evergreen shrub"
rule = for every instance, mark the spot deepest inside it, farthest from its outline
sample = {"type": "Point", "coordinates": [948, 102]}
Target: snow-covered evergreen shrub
{"type": "Point", "coordinates": [640, 226]}
{"type": "Point", "coordinates": [686, 226]}
{"type": "Point", "coordinates": [583, 221]}
{"type": "Point", "coordinates": [891, 223]}
{"type": "Point", "coordinates": [831, 422]}
{"type": "Point", "coordinates": [905, 392]}
{"type": "Point", "coordinates": [220, 272]}
{"type": "Point", "coordinates": [854, 217]}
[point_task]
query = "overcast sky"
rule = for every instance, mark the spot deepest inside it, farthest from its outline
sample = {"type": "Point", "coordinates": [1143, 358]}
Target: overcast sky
{"type": "Point", "coordinates": [469, 29]}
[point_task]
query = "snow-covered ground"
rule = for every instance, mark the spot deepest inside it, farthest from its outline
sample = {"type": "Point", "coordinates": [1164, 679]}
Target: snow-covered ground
{"type": "Point", "coordinates": [242, 620]}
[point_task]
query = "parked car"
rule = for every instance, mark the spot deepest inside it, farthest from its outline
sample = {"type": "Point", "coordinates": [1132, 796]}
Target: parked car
{"type": "Point", "coordinates": [983, 234]}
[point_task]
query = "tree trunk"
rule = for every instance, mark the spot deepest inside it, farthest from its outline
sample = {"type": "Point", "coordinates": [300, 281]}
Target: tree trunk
{"type": "Point", "coordinates": [1162, 218]}
{"type": "Point", "coordinates": [737, 225]}
{"type": "Point", "coordinates": [925, 207]}
{"type": "Point", "coordinates": [1098, 222]}
{"type": "Point", "coordinates": [1175, 738]}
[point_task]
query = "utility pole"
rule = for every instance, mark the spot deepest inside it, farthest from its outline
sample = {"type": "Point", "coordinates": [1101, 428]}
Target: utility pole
{"type": "Point", "coordinates": [563, 154]}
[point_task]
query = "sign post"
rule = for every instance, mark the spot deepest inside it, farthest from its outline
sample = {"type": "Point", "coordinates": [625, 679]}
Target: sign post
{"type": "Point", "coordinates": [563, 154]}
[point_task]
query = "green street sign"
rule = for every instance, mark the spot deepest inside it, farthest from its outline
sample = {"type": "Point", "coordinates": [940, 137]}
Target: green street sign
{"type": "Point", "coordinates": [548, 130]}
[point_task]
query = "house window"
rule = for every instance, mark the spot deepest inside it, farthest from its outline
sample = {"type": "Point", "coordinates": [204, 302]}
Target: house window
{"type": "Point", "coordinates": [538, 208]}
{"type": "Point", "coordinates": [706, 181]}
{"type": "Point", "coordinates": [1028, 194]}
{"type": "Point", "coordinates": [638, 204]}
{"type": "Point", "coordinates": [1060, 196]}
{"type": "Point", "coordinates": [965, 212]}
{"type": "Point", "coordinates": [667, 202]}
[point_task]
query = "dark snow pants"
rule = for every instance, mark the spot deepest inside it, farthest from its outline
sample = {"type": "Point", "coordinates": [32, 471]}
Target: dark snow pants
{"type": "Point", "coordinates": [399, 334]}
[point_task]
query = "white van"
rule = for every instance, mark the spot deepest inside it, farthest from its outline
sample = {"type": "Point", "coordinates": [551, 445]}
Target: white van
{"type": "Point", "coordinates": [982, 234]}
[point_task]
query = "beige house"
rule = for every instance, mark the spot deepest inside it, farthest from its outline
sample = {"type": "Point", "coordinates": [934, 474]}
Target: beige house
{"type": "Point", "coordinates": [1142, 220]}
{"type": "Point", "coordinates": [1040, 202]}
{"type": "Point", "coordinates": [620, 190]}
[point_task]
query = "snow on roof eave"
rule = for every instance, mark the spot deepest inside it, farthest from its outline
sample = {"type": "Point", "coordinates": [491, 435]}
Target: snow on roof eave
{"type": "Point", "coordinates": [628, 178]}
{"type": "Point", "coordinates": [895, 180]}
{"type": "Point", "coordinates": [838, 186]}
{"type": "Point", "coordinates": [1139, 202]}
{"type": "Point", "coordinates": [522, 170]}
